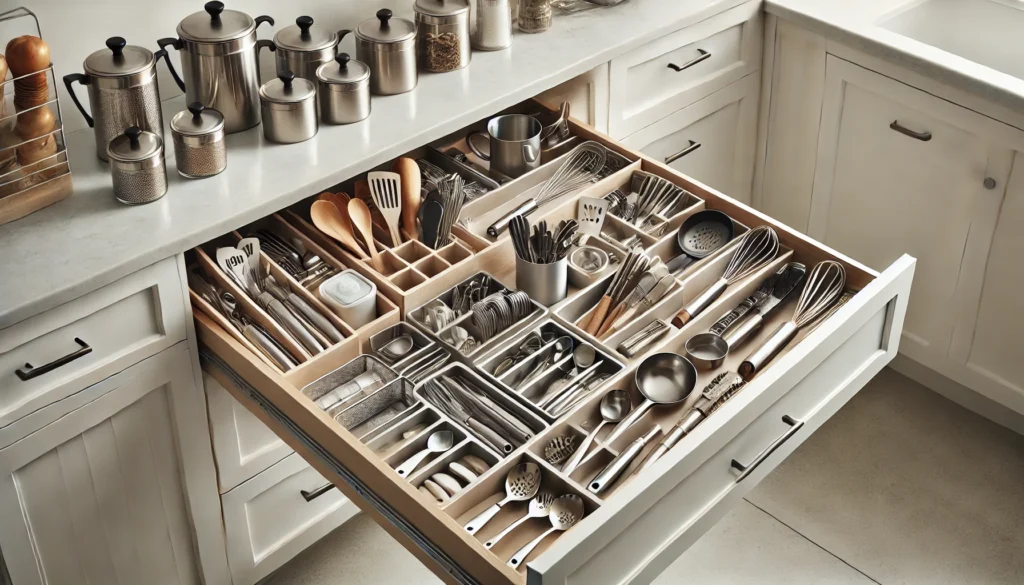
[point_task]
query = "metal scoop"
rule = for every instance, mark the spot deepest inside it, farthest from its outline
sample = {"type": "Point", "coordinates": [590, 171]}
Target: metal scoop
{"type": "Point", "coordinates": [701, 234]}
{"type": "Point", "coordinates": [663, 379]}
{"type": "Point", "coordinates": [439, 442]}
{"type": "Point", "coordinates": [539, 508]}
{"type": "Point", "coordinates": [566, 511]}
{"type": "Point", "coordinates": [522, 483]}
{"type": "Point", "coordinates": [615, 405]}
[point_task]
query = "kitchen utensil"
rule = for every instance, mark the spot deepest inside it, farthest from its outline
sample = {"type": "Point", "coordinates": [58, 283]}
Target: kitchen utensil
{"type": "Point", "coordinates": [478, 465]}
{"type": "Point", "coordinates": [343, 90]}
{"type": "Point", "coordinates": [442, 34]}
{"type": "Point", "coordinates": [336, 223]}
{"type": "Point", "coordinates": [624, 281]}
{"type": "Point", "coordinates": [431, 216]}
{"type": "Point", "coordinates": [652, 285]}
{"type": "Point", "coordinates": [790, 280]}
{"type": "Point", "coordinates": [514, 144]}
{"type": "Point", "coordinates": [490, 421]}
{"type": "Point", "coordinates": [137, 166]}
{"type": "Point", "coordinates": [449, 483]}
{"type": "Point", "coordinates": [199, 149]}
{"type": "Point", "coordinates": [521, 484]}
{"type": "Point", "coordinates": [462, 472]}
{"type": "Point", "coordinates": [409, 177]}
{"type": "Point", "coordinates": [527, 347]}
{"type": "Point", "coordinates": [437, 443]}
{"type": "Point", "coordinates": [303, 47]}
{"type": "Point", "coordinates": [301, 307]}
{"type": "Point", "coordinates": [701, 234]}
{"type": "Point", "coordinates": [499, 311]}
{"type": "Point", "coordinates": [397, 348]}
{"type": "Point", "coordinates": [436, 491]}
{"type": "Point", "coordinates": [641, 339]}
{"type": "Point", "coordinates": [564, 512]}
{"type": "Point", "coordinates": [580, 167]}
{"type": "Point", "coordinates": [615, 468]}
{"type": "Point", "coordinates": [220, 63]}
{"type": "Point", "coordinates": [430, 363]}
{"type": "Point", "coordinates": [352, 296]}
{"type": "Point", "coordinates": [558, 131]}
{"type": "Point", "coordinates": [290, 320]}
{"type": "Point", "coordinates": [590, 214]}
{"type": "Point", "coordinates": [491, 26]}
{"type": "Point", "coordinates": [576, 390]}
{"type": "Point", "coordinates": [663, 379]}
{"type": "Point", "coordinates": [123, 91]}
{"type": "Point", "coordinates": [706, 351]}
{"type": "Point", "coordinates": [360, 215]}
{"type": "Point", "coordinates": [388, 46]}
{"type": "Point", "coordinates": [450, 190]}
{"type": "Point", "coordinates": [288, 107]}
{"type": "Point", "coordinates": [386, 190]}
{"type": "Point", "coordinates": [717, 391]}
{"type": "Point", "coordinates": [583, 357]}
{"type": "Point", "coordinates": [559, 449]}
{"type": "Point", "coordinates": [561, 348]}
{"type": "Point", "coordinates": [758, 247]}
{"type": "Point", "coordinates": [539, 507]}
{"type": "Point", "coordinates": [757, 299]}
{"type": "Point", "coordinates": [824, 287]}
{"type": "Point", "coordinates": [614, 406]}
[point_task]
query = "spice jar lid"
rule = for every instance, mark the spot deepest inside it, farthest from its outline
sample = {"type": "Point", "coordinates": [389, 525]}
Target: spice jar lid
{"type": "Point", "coordinates": [441, 7]}
{"type": "Point", "coordinates": [197, 120]}
{"type": "Point", "coordinates": [215, 24]}
{"type": "Point", "coordinates": [118, 59]}
{"type": "Point", "coordinates": [303, 36]}
{"type": "Point", "coordinates": [135, 145]}
{"type": "Point", "coordinates": [344, 70]}
{"type": "Point", "coordinates": [385, 29]}
{"type": "Point", "coordinates": [287, 89]}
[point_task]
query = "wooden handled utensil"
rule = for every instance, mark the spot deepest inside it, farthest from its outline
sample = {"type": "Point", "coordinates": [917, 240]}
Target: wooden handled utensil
{"type": "Point", "coordinates": [409, 172]}
{"type": "Point", "coordinates": [360, 215]}
{"type": "Point", "coordinates": [335, 223]}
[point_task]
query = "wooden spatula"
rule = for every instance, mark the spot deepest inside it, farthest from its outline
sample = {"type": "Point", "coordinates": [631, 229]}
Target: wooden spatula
{"type": "Point", "coordinates": [409, 171]}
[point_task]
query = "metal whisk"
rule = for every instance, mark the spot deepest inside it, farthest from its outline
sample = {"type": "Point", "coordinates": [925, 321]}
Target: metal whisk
{"type": "Point", "coordinates": [824, 287]}
{"type": "Point", "coordinates": [758, 247]}
{"type": "Point", "coordinates": [582, 166]}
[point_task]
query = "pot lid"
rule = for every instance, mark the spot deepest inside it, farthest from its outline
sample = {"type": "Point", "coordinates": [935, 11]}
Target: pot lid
{"type": "Point", "coordinates": [118, 59]}
{"type": "Point", "coordinates": [287, 89]}
{"type": "Point", "coordinates": [197, 120]}
{"type": "Point", "coordinates": [441, 7]}
{"type": "Point", "coordinates": [344, 69]}
{"type": "Point", "coordinates": [215, 24]}
{"type": "Point", "coordinates": [303, 36]}
{"type": "Point", "coordinates": [135, 145]}
{"type": "Point", "coordinates": [385, 29]}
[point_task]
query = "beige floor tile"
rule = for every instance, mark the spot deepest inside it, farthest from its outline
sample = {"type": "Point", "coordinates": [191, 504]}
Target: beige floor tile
{"type": "Point", "coordinates": [908, 488]}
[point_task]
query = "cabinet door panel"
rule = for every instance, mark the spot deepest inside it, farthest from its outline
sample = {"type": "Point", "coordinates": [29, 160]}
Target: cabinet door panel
{"type": "Point", "coordinates": [587, 95]}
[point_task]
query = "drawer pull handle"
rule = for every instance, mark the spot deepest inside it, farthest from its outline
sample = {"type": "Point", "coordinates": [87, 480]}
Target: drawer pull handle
{"type": "Point", "coordinates": [29, 372]}
{"type": "Point", "coordinates": [702, 56]}
{"type": "Point", "coordinates": [745, 470]}
{"type": "Point", "coordinates": [310, 496]}
{"type": "Point", "coordinates": [922, 136]}
{"type": "Point", "coordinates": [694, 145]}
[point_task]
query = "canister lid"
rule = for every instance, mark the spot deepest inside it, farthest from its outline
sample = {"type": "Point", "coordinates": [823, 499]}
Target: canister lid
{"type": "Point", "coordinates": [287, 89]}
{"type": "Point", "coordinates": [441, 7]}
{"type": "Point", "coordinates": [303, 36]}
{"type": "Point", "coordinates": [215, 24]}
{"type": "Point", "coordinates": [344, 70]}
{"type": "Point", "coordinates": [197, 120]}
{"type": "Point", "coordinates": [385, 29]}
{"type": "Point", "coordinates": [118, 59]}
{"type": "Point", "coordinates": [135, 145]}
{"type": "Point", "coordinates": [347, 288]}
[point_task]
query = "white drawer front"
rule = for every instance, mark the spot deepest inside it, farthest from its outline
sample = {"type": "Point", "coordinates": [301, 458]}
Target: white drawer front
{"type": "Point", "coordinates": [676, 70]}
{"type": "Point", "coordinates": [121, 324]}
{"type": "Point", "coordinates": [268, 521]}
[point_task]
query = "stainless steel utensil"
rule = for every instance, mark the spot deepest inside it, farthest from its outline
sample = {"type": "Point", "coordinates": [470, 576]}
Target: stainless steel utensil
{"type": "Point", "coordinates": [641, 339]}
{"type": "Point", "coordinates": [521, 484]}
{"type": "Point", "coordinates": [706, 351]}
{"type": "Point", "coordinates": [451, 189]}
{"type": "Point", "coordinates": [700, 235]}
{"type": "Point", "coordinates": [386, 191]}
{"type": "Point", "coordinates": [562, 347]}
{"type": "Point", "coordinates": [438, 442]}
{"type": "Point", "coordinates": [614, 407]}
{"type": "Point", "coordinates": [559, 449]}
{"type": "Point", "coordinates": [539, 507]}
{"type": "Point", "coordinates": [397, 348]}
{"type": "Point", "coordinates": [530, 345]}
{"type": "Point", "coordinates": [565, 512]}
{"type": "Point", "coordinates": [607, 476]}
{"type": "Point", "coordinates": [514, 144]}
{"type": "Point", "coordinates": [736, 333]}
{"type": "Point", "coordinates": [663, 379]}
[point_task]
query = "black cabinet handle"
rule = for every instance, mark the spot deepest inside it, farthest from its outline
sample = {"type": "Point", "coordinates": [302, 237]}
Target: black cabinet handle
{"type": "Point", "coordinates": [694, 145]}
{"type": "Point", "coordinates": [29, 372]}
{"type": "Point", "coordinates": [701, 56]}
{"type": "Point", "coordinates": [310, 496]}
{"type": "Point", "coordinates": [922, 136]}
{"type": "Point", "coordinates": [745, 470]}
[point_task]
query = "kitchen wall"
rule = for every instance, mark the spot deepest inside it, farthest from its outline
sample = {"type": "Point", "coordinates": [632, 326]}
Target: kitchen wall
{"type": "Point", "coordinates": [76, 28]}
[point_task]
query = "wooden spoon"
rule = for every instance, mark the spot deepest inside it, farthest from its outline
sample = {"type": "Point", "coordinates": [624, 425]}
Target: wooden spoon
{"type": "Point", "coordinates": [336, 224]}
{"type": "Point", "coordinates": [411, 197]}
{"type": "Point", "coordinates": [339, 199]}
{"type": "Point", "coordinates": [360, 215]}
{"type": "Point", "coordinates": [362, 191]}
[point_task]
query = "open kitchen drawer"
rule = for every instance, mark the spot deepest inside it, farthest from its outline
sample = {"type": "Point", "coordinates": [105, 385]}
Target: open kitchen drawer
{"type": "Point", "coordinates": [632, 533]}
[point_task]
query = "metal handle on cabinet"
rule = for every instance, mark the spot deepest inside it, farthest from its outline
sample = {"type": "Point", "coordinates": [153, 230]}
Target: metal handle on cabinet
{"type": "Point", "coordinates": [694, 145]}
{"type": "Point", "coordinates": [310, 496]}
{"type": "Point", "coordinates": [702, 56]}
{"type": "Point", "coordinates": [922, 136]}
{"type": "Point", "coordinates": [30, 372]}
{"type": "Point", "coordinates": [745, 470]}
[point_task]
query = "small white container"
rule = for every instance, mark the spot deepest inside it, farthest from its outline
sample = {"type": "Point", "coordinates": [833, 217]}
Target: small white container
{"type": "Point", "coordinates": [352, 296]}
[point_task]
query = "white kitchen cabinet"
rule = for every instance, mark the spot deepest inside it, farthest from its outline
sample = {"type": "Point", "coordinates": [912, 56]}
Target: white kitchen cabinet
{"type": "Point", "coordinates": [587, 95]}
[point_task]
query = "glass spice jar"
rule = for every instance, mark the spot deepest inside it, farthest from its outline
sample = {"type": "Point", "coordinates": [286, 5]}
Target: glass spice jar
{"type": "Point", "coordinates": [442, 31]}
{"type": "Point", "coordinates": [534, 15]}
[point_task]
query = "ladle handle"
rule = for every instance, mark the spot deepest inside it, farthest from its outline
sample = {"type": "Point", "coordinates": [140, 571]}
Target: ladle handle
{"type": "Point", "coordinates": [577, 457]}
{"type": "Point", "coordinates": [474, 525]}
{"type": "Point", "coordinates": [494, 540]}
{"type": "Point", "coordinates": [487, 434]}
{"type": "Point", "coordinates": [629, 421]}
{"type": "Point", "coordinates": [410, 464]}
{"type": "Point", "coordinates": [521, 554]}
{"type": "Point", "coordinates": [607, 477]}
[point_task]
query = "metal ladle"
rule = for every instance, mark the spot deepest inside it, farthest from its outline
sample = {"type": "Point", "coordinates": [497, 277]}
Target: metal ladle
{"type": "Point", "coordinates": [663, 379]}
{"type": "Point", "coordinates": [615, 405]}
{"type": "Point", "coordinates": [397, 348]}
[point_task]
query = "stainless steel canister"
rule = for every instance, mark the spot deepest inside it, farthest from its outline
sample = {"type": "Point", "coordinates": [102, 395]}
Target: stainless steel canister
{"type": "Point", "coordinates": [137, 166]}
{"type": "Point", "coordinates": [442, 34]}
{"type": "Point", "coordinates": [199, 149]}
{"type": "Point", "coordinates": [123, 91]}
{"type": "Point", "coordinates": [545, 283]}
{"type": "Point", "coordinates": [220, 62]}
{"type": "Point", "coordinates": [288, 104]}
{"type": "Point", "coordinates": [491, 26]}
{"type": "Point", "coordinates": [302, 48]}
{"type": "Point", "coordinates": [343, 90]}
{"type": "Point", "coordinates": [388, 46]}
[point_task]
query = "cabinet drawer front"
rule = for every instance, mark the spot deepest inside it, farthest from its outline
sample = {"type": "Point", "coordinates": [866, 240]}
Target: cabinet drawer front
{"type": "Point", "coordinates": [712, 140]}
{"type": "Point", "coordinates": [268, 519]}
{"type": "Point", "coordinates": [88, 340]}
{"type": "Point", "coordinates": [676, 70]}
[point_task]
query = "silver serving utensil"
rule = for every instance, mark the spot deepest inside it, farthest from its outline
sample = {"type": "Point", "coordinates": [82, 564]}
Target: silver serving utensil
{"type": "Point", "coordinates": [522, 483]}
{"type": "Point", "coordinates": [540, 505]}
{"type": "Point", "coordinates": [607, 476]}
{"type": "Point", "coordinates": [563, 345]}
{"type": "Point", "coordinates": [663, 379]}
{"type": "Point", "coordinates": [559, 449]}
{"type": "Point", "coordinates": [615, 405]}
{"type": "Point", "coordinates": [564, 512]}
{"type": "Point", "coordinates": [438, 442]}
{"type": "Point", "coordinates": [397, 348]}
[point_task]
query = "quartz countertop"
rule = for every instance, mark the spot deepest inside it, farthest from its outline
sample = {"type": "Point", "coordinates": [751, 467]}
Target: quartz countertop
{"type": "Point", "coordinates": [89, 240]}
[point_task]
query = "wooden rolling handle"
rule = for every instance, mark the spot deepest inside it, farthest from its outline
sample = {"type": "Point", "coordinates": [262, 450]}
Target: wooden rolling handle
{"type": "Point", "coordinates": [597, 317]}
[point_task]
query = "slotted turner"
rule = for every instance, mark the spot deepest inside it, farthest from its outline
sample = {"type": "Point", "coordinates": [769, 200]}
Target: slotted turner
{"type": "Point", "coordinates": [590, 215]}
{"type": "Point", "coordinates": [386, 191]}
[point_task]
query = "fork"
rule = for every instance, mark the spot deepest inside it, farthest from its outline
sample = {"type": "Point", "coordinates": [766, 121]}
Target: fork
{"type": "Point", "coordinates": [386, 189]}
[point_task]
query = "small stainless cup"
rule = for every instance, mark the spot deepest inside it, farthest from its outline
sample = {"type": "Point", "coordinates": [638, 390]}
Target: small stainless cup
{"type": "Point", "coordinates": [515, 144]}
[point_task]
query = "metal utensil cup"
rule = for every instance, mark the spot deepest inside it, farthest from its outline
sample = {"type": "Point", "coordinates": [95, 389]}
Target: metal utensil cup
{"type": "Point", "coordinates": [514, 144]}
{"type": "Point", "coordinates": [545, 283]}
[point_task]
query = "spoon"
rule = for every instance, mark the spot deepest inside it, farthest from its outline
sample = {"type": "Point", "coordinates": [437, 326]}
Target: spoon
{"type": "Point", "coordinates": [615, 405]}
{"type": "Point", "coordinates": [539, 508]}
{"type": "Point", "coordinates": [522, 483]}
{"type": "Point", "coordinates": [438, 442]}
{"type": "Point", "coordinates": [582, 358]}
{"type": "Point", "coordinates": [397, 348]}
{"type": "Point", "coordinates": [360, 215]}
{"type": "Point", "coordinates": [663, 379]}
{"type": "Point", "coordinates": [563, 514]}
{"type": "Point", "coordinates": [563, 345]}
{"type": "Point", "coordinates": [331, 220]}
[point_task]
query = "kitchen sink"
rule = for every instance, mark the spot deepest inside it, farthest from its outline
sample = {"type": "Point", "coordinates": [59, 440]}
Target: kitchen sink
{"type": "Point", "coordinates": [987, 32]}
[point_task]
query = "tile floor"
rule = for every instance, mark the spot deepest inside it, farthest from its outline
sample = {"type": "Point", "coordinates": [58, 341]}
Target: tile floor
{"type": "Point", "coordinates": [900, 487]}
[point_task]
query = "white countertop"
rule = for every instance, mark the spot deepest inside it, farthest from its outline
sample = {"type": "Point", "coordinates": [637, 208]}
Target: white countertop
{"type": "Point", "coordinates": [90, 240]}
